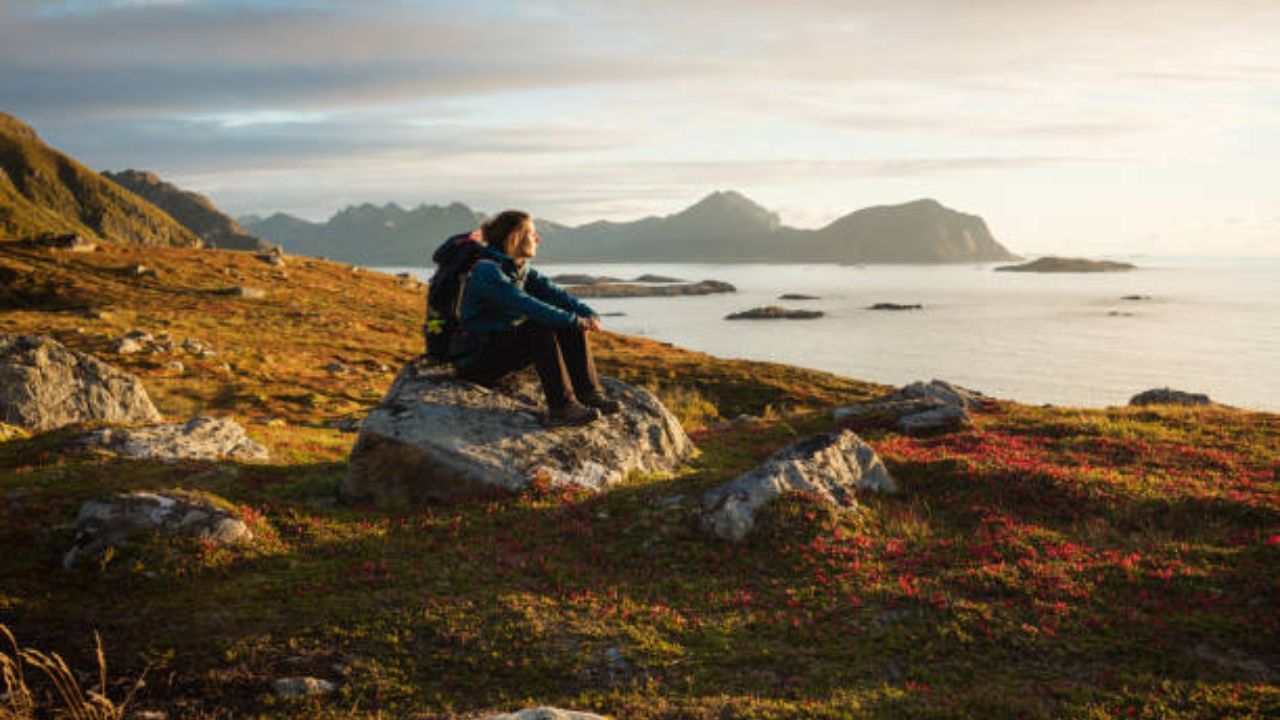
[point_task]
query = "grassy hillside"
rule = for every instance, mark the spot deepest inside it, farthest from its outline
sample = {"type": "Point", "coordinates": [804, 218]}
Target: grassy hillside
{"type": "Point", "coordinates": [1047, 562]}
{"type": "Point", "coordinates": [43, 190]}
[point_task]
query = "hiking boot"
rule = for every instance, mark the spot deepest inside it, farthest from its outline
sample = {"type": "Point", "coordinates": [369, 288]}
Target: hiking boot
{"type": "Point", "coordinates": [571, 414]}
{"type": "Point", "coordinates": [602, 403]}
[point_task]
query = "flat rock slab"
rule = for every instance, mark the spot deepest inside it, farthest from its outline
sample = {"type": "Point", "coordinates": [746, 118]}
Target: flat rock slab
{"type": "Point", "coordinates": [434, 437]}
{"type": "Point", "coordinates": [112, 522]}
{"type": "Point", "coordinates": [546, 713]}
{"type": "Point", "coordinates": [832, 466]}
{"type": "Point", "coordinates": [1168, 396]}
{"type": "Point", "coordinates": [44, 385]}
{"type": "Point", "coordinates": [202, 438]}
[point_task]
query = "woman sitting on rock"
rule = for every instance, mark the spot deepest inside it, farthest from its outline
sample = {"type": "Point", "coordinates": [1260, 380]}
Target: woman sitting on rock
{"type": "Point", "coordinates": [512, 316]}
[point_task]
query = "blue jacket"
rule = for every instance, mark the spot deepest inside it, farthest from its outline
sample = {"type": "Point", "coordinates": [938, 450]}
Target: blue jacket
{"type": "Point", "coordinates": [501, 295]}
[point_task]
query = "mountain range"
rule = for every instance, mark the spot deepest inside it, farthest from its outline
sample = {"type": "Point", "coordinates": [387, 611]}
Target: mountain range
{"type": "Point", "coordinates": [43, 190]}
{"type": "Point", "coordinates": [725, 226]}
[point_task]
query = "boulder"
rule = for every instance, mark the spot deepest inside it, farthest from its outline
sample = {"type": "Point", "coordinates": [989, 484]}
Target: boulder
{"type": "Point", "coordinates": [922, 407]}
{"type": "Point", "coordinates": [545, 713]}
{"type": "Point", "coordinates": [202, 438]}
{"type": "Point", "coordinates": [832, 466]}
{"type": "Point", "coordinates": [434, 437]}
{"type": "Point", "coordinates": [44, 385]}
{"type": "Point", "coordinates": [127, 346]}
{"type": "Point", "coordinates": [249, 293]}
{"type": "Point", "coordinates": [1168, 396]}
{"type": "Point", "coordinates": [111, 523]}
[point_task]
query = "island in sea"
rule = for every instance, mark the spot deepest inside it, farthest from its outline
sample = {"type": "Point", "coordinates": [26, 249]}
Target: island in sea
{"type": "Point", "coordinates": [1067, 265]}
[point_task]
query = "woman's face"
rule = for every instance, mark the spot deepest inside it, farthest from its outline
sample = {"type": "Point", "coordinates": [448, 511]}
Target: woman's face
{"type": "Point", "coordinates": [526, 243]}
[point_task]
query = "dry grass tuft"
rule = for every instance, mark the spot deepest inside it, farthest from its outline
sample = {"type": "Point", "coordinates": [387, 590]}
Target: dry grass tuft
{"type": "Point", "coordinates": [77, 703]}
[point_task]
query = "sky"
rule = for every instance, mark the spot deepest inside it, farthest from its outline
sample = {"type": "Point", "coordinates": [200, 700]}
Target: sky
{"type": "Point", "coordinates": [1085, 127]}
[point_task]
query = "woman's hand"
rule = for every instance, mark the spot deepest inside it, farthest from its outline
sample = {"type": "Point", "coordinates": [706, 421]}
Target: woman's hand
{"type": "Point", "coordinates": [589, 323]}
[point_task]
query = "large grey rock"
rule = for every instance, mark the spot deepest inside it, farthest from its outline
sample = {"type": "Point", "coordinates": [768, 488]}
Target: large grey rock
{"type": "Point", "coordinates": [1168, 396]}
{"type": "Point", "coordinates": [941, 392]}
{"type": "Point", "coordinates": [546, 713]}
{"type": "Point", "coordinates": [111, 523]}
{"type": "Point", "coordinates": [44, 385]}
{"type": "Point", "coordinates": [921, 406]}
{"type": "Point", "coordinates": [434, 437]}
{"type": "Point", "coordinates": [832, 466]}
{"type": "Point", "coordinates": [202, 438]}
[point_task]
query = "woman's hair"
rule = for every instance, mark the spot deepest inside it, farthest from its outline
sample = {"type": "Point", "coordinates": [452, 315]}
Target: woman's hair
{"type": "Point", "coordinates": [501, 231]}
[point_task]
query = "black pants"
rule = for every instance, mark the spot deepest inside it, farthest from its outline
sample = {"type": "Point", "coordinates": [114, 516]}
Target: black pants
{"type": "Point", "coordinates": [561, 357]}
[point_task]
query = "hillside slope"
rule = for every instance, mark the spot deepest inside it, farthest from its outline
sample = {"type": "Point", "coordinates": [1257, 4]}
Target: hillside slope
{"type": "Point", "coordinates": [192, 210]}
{"type": "Point", "coordinates": [43, 190]}
{"type": "Point", "coordinates": [1042, 563]}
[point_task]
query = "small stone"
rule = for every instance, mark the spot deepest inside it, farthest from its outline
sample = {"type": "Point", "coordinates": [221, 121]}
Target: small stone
{"type": "Point", "coordinates": [126, 346]}
{"type": "Point", "coordinates": [175, 366]}
{"type": "Point", "coordinates": [336, 368]}
{"type": "Point", "coordinates": [545, 713]}
{"type": "Point", "coordinates": [143, 271]}
{"type": "Point", "coordinates": [296, 687]}
{"type": "Point", "coordinates": [248, 293]}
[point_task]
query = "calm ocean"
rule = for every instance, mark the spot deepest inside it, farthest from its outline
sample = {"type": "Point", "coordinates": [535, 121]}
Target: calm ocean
{"type": "Point", "coordinates": [1210, 326]}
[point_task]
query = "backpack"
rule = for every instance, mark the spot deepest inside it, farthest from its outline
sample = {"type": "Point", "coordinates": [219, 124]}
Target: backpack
{"type": "Point", "coordinates": [454, 261]}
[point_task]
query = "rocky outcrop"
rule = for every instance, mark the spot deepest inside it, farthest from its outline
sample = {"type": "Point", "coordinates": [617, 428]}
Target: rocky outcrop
{"type": "Point", "coordinates": [70, 242]}
{"type": "Point", "coordinates": [895, 306]}
{"type": "Point", "coordinates": [434, 437]}
{"type": "Point", "coordinates": [832, 466]}
{"type": "Point", "coordinates": [798, 296]}
{"type": "Point", "coordinates": [113, 522]}
{"type": "Point", "coordinates": [1071, 265]}
{"type": "Point", "coordinates": [545, 713]}
{"type": "Point", "coordinates": [774, 312]}
{"type": "Point", "coordinates": [1168, 396]}
{"type": "Point", "coordinates": [202, 438]}
{"type": "Point", "coordinates": [705, 287]}
{"type": "Point", "coordinates": [44, 385]}
{"type": "Point", "coordinates": [922, 407]}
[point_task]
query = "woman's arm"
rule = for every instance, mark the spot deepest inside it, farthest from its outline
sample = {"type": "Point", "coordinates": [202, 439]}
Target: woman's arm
{"type": "Point", "coordinates": [541, 287]}
{"type": "Point", "coordinates": [493, 288]}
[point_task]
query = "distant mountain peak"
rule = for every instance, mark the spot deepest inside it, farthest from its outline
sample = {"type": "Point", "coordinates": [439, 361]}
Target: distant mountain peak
{"type": "Point", "coordinates": [192, 210]}
{"type": "Point", "coordinates": [730, 208]}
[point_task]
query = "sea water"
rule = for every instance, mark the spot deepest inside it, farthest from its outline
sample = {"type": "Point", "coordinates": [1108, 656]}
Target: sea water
{"type": "Point", "coordinates": [1208, 326]}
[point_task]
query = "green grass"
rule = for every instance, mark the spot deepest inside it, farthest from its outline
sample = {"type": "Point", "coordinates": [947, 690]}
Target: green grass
{"type": "Point", "coordinates": [1043, 563]}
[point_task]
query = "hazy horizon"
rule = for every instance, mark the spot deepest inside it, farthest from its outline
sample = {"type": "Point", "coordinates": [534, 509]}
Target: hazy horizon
{"type": "Point", "coordinates": [1132, 127]}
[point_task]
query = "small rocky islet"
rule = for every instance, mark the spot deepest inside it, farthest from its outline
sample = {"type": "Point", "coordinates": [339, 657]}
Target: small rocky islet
{"type": "Point", "coordinates": [1068, 265]}
{"type": "Point", "coordinates": [775, 312]}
